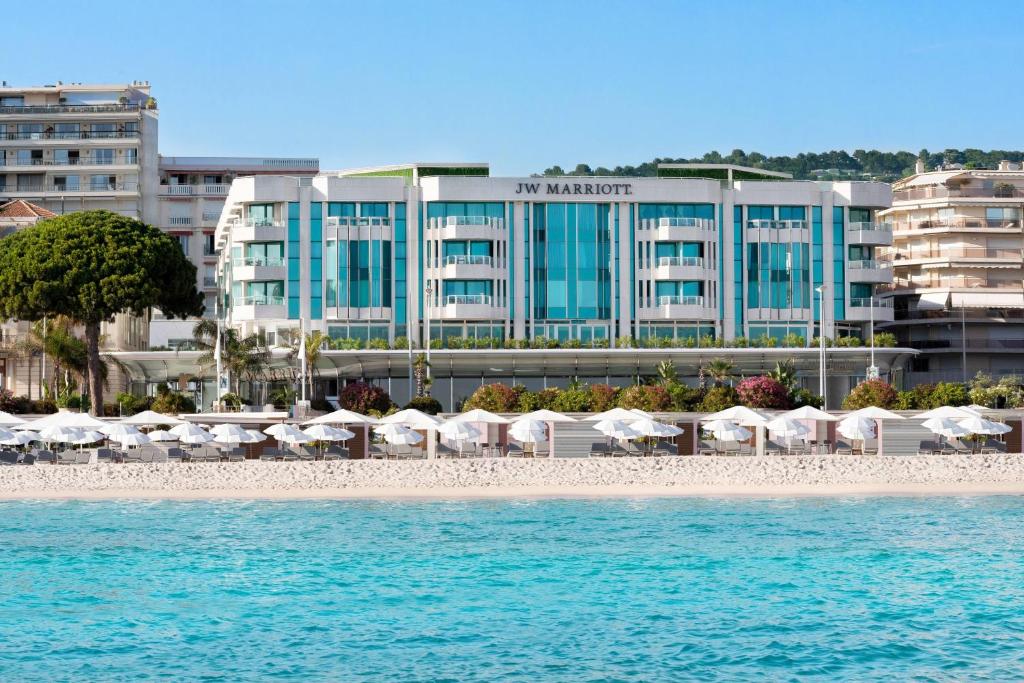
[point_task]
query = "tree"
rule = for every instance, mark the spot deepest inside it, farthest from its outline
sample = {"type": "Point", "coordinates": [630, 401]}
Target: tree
{"type": "Point", "coordinates": [243, 357]}
{"type": "Point", "coordinates": [315, 342]}
{"type": "Point", "coordinates": [91, 266]}
{"type": "Point", "coordinates": [667, 373]}
{"type": "Point", "coordinates": [872, 392]}
{"type": "Point", "coordinates": [420, 368]}
{"type": "Point", "coordinates": [719, 370]}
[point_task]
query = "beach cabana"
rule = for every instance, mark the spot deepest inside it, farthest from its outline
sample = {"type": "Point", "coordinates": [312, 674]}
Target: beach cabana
{"type": "Point", "coordinates": [879, 415]}
{"type": "Point", "coordinates": [550, 417]}
{"type": "Point", "coordinates": [744, 417]}
{"type": "Point", "coordinates": [360, 424]}
{"type": "Point", "coordinates": [727, 430]}
{"type": "Point", "coordinates": [485, 418]}
{"type": "Point", "coordinates": [530, 431]}
{"type": "Point", "coordinates": [857, 428]}
{"type": "Point", "coordinates": [814, 416]}
{"type": "Point", "coordinates": [788, 429]}
{"type": "Point", "coordinates": [458, 433]}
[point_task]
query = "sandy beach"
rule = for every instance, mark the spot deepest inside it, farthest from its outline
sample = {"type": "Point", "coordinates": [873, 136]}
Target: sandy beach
{"type": "Point", "coordinates": [492, 478]}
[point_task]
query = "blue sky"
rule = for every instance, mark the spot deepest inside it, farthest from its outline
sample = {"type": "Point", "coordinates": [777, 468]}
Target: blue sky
{"type": "Point", "coordinates": [525, 85]}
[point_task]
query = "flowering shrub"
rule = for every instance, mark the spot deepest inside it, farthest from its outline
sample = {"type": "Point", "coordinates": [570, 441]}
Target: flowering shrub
{"type": "Point", "coordinates": [763, 392]}
{"type": "Point", "coordinates": [497, 398]}
{"type": "Point", "coordinates": [602, 397]}
{"type": "Point", "coordinates": [645, 397]}
{"type": "Point", "coordinates": [364, 398]}
{"type": "Point", "coordinates": [872, 392]}
{"type": "Point", "coordinates": [719, 398]}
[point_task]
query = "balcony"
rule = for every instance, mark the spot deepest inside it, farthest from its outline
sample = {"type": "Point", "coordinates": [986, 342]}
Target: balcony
{"type": "Point", "coordinates": [468, 227]}
{"type": "Point", "coordinates": [467, 267]}
{"type": "Point", "coordinates": [678, 308]}
{"type": "Point", "coordinates": [937, 256]}
{"type": "Point", "coordinates": [684, 229]}
{"type": "Point", "coordinates": [257, 231]}
{"type": "Point", "coordinates": [25, 190]}
{"type": "Point", "coordinates": [878, 272]}
{"type": "Point", "coordinates": [467, 307]}
{"type": "Point", "coordinates": [777, 225]}
{"type": "Point", "coordinates": [866, 309]}
{"type": "Point", "coordinates": [258, 308]}
{"type": "Point", "coordinates": [209, 281]}
{"type": "Point", "coordinates": [81, 135]}
{"type": "Point", "coordinates": [933, 281]}
{"type": "Point", "coordinates": [19, 164]}
{"type": "Point", "coordinates": [1006, 191]}
{"type": "Point", "coordinates": [955, 224]}
{"type": "Point", "coordinates": [679, 268]}
{"type": "Point", "coordinates": [194, 190]}
{"type": "Point", "coordinates": [179, 221]}
{"type": "Point", "coordinates": [349, 222]}
{"type": "Point", "coordinates": [111, 108]}
{"type": "Point", "coordinates": [259, 268]}
{"type": "Point", "coordinates": [877, 234]}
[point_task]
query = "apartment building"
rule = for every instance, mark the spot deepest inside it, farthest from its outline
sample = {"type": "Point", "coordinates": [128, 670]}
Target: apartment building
{"type": "Point", "coordinates": [958, 291]}
{"type": "Point", "coordinates": [191, 195]}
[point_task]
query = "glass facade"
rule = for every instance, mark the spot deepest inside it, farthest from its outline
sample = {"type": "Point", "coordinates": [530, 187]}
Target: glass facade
{"type": "Point", "coordinates": [571, 262]}
{"type": "Point", "coordinates": [838, 264]}
{"type": "Point", "coordinates": [294, 261]}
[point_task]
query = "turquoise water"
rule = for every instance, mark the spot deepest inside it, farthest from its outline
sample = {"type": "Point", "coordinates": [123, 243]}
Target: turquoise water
{"type": "Point", "coordinates": [631, 590]}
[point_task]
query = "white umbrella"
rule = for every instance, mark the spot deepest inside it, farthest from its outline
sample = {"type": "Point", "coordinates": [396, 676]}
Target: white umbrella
{"type": "Point", "coordinates": [945, 426]}
{"type": "Point", "coordinates": [293, 435]}
{"type": "Point", "coordinates": [809, 413]}
{"type": "Point", "coordinates": [8, 420]}
{"type": "Point", "coordinates": [162, 435]}
{"type": "Point", "coordinates": [230, 433]}
{"type": "Point", "coordinates": [975, 408]}
{"type": "Point", "coordinates": [740, 415]}
{"type": "Point", "coordinates": [620, 414]}
{"type": "Point", "coordinates": [137, 439]}
{"type": "Point", "coordinates": [527, 430]}
{"type": "Point", "coordinates": [948, 412]}
{"type": "Point", "coordinates": [616, 429]}
{"type": "Point", "coordinates": [322, 432]}
{"type": "Point", "coordinates": [412, 418]}
{"type": "Point", "coordinates": [61, 434]}
{"type": "Point", "coordinates": [876, 413]}
{"type": "Point", "coordinates": [20, 438]}
{"type": "Point", "coordinates": [257, 436]}
{"type": "Point", "coordinates": [856, 428]}
{"type": "Point", "coordinates": [119, 429]}
{"type": "Point", "coordinates": [545, 415]}
{"type": "Point", "coordinates": [398, 434]}
{"type": "Point", "coordinates": [278, 430]}
{"type": "Point", "coordinates": [191, 434]}
{"type": "Point", "coordinates": [6, 434]}
{"type": "Point", "coordinates": [342, 417]}
{"type": "Point", "coordinates": [458, 431]}
{"type": "Point", "coordinates": [72, 420]}
{"type": "Point", "coordinates": [90, 436]}
{"type": "Point", "coordinates": [479, 415]}
{"type": "Point", "coordinates": [648, 427]}
{"type": "Point", "coordinates": [150, 418]}
{"type": "Point", "coordinates": [641, 414]}
{"type": "Point", "coordinates": [725, 430]}
{"type": "Point", "coordinates": [979, 425]}
{"type": "Point", "coordinates": [787, 428]}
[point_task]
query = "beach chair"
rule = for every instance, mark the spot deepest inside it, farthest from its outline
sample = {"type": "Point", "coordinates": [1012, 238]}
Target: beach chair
{"type": "Point", "coordinates": [46, 457]}
{"type": "Point", "coordinates": [8, 458]}
{"type": "Point", "coordinates": [960, 448]}
{"type": "Point", "coordinates": [378, 452]}
{"type": "Point", "coordinates": [336, 453]}
{"type": "Point", "coordinates": [270, 453]}
{"type": "Point", "coordinates": [927, 447]}
{"type": "Point", "coordinates": [869, 451]}
{"type": "Point", "coordinates": [599, 449]}
{"type": "Point", "coordinates": [160, 456]}
{"type": "Point", "coordinates": [83, 458]}
{"type": "Point", "coordinates": [104, 455]}
{"type": "Point", "coordinates": [746, 449]}
{"type": "Point", "coordinates": [29, 459]}
{"type": "Point", "coordinates": [663, 448]}
{"type": "Point", "coordinates": [175, 454]}
{"type": "Point", "coordinates": [773, 448]}
{"type": "Point", "coordinates": [446, 451]}
{"type": "Point", "coordinates": [236, 455]}
{"type": "Point", "coordinates": [131, 456]}
{"type": "Point", "coordinates": [67, 458]}
{"type": "Point", "coordinates": [992, 446]}
{"type": "Point", "coordinates": [843, 448]}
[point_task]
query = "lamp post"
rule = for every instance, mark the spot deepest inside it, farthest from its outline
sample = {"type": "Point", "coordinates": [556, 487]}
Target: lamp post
{"type": "Point", "coordinates": [426, 324]}
{"type": "Point", "coordinates": [821, 343]}
{"type": "Point", "coordinates": [872, 369]}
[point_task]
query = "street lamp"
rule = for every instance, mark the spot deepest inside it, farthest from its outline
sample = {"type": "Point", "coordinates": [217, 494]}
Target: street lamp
{"type": "Point", "coordinates": [821, 343]}
{"type": "Point", "coordinates": [872, 369]}
{"type": "Point", "coordinates": [426, 315]}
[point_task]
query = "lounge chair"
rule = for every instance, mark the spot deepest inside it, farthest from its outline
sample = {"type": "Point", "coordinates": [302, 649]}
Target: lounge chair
{"type": "Point", "coordinates": [665, 448]}
{"type": "Point", "coordinates": [870, 451]}
{"type": "Point", "coordinates": [160, 456]}
{"type": "Point", "coordinates": [46, 456]}
{"type": "Point", "coordinates": [67, 458]}
{"type": "Point", "coordinates": [336, 453]}
{"type": "Point", "coordinates": [927, 448]}
{"type": "Point", "coordinates": [993, 446]}
{"type": "Point", "coordinates": [104, 455]}
{"type": "Point", "coordinates": [378, 451]}
{"type": "Point", "coordinates": [843, 448]}
{"type": "Point", "coordinates": [236, 455]}
{"type": "Point", "coordinates": [29, 459]}
{"type": "Point", "coordinates": [8, 458]}
{"type": "Point", "coordinates": [446, 451]}
{"type": "Point", "coordinates": [599, 449]}
{"type": "Point", "coordinates": [270, 453]}
{"type": "Point", "coordinates": [175, 454]}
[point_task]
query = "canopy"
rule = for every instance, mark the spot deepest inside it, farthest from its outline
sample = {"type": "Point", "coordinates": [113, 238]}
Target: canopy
{"type": "Point", "coordinates": [616, 429]}
{"type": "Point", "coordinates": [412, 418]}
{"type": "Point", "coordinates": [875, 413]}
{"type": "Point", "coordinates": [648, 427]}
{"type": "Point", "coordinates": [478, 415]}
{"type": "Point", "coordinates": [458, 431]}
{"type": "Point", "coordinates": [979, 425]}
{"type": "Point", "coordinates": [987, 299]}
{"type": "Point", "coordinates": [856, 427]}
{"type": "Point", "coordinates": [398, 434]}
{"type": "Point", "coordinates": [8, 420]}
{"type": "Point", "coordinates": [64, 419]}
{"type": "Point", "coordinates": [725, 430]}
{"type": "Point", "coordinates": [740, 415]}
{"type": "Point", "coordinates": [945, 411]}
{"type": "Point", "coordinates": [546, 416]}
{"type": "Point", "coordinates": [620, 414]}
{"type": "Point", "coordinates": [341, 417]}
{"type": "Point", "coordinates": [809, 413]}
{"type": "Point", "coordinates": [150, 418]}
{"type": "Point", "coordinates": [527, 430]}
{"type": "Point", "coordinates": [945, 426]}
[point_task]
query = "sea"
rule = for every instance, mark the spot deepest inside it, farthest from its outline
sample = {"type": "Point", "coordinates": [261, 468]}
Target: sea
{"type": "Point", "coordinates": [660, 589]}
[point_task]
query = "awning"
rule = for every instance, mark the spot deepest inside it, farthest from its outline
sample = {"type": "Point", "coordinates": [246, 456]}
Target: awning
{"type": "Point", "coordinates": [933, 301]}
{"type": "Point", "coordinates": [988, 300]}
{"type": "Point", "coordinates": [929, 179]}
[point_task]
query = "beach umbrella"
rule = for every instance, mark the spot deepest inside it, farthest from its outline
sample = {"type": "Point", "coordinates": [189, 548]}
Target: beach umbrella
{"type": "Point", "coordinates": [740, 415]}
{"type": "Point", "coordinates": [162, 435]}
{"type": "Point", "coordinates": [8, 420]}
{"type": "Point", "coordinates": [191, 434]}
{"type": "Point", "coordinates": [21, 438]}
{"type": "Point", "coordinates": [6, 434]}
{"type": "Point", "coordinates": [641, 414]}
{"type": "Point", "coordinates": [397, 434]}
{"type": "Point", "coordinates": [342, 417]}
{"type": "Point", "coordinates": [60, 419]}
{"type": "Point", "coordinates": [876, 413]}
{"type": "Point", "coordinates": [979, 425]}
{"type": "Point", "coordinates": [293, 435]}
{"type": "Point", "coordinates": [545, 415]}
{"type": "Point", "coordinates": [856, 428]}
{"type": "Point", "coordinates": [975, 408]}
{"type": "Point", "coordinates": [479, 415]}
{"type": "Point", "coordinates": [458, 431]}
{"type": "Point", "coordinates": [620, 414]}
{"type": "Point", "coordinates": [119, 429]}
{"type": "Point", "coordinates": [649, 427]}
{"type": "Point", "coordinates": [527, 430]}
{"type": "Point", "coordinates": [946, 412]}
{"type": "Point", "coordinates": [322, 432]}
{"type": "Point", "coordinates": [787, 428]}
{"type": "Point", "coordinates": [410, 417]}
{"type": "Point", "coordinates": [945, 426]}
{"type": "Point", "coordinates": [151, 418]}
{"type": "Point", "coordinates": [725, 430]}
{"type": "Point", "coordinates": [809, 413]}
{"type": "Point", "coordinates": [616, 429]}
{"type": "Point", "coordinates": [278, 430]}
{"type": "Point", "coordinates": [90, 436]}
{"type": "Point", "coordinates": [231, 433]}
{"type": "Point", "coordinates": [127, 440]}
{"type": "Point", "coordinates": [60, 433]}
{"type": "Point", "coordinates": [256, 435]}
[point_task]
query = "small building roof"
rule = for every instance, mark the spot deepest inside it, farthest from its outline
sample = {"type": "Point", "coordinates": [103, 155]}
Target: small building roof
{"type": "Point", "coordinates": [719, 172]}
{"type": "Point", "coordinates": [19, 208]}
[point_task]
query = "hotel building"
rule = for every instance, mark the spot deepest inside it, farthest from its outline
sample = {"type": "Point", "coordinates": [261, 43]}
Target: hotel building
{"type": "Point", "coordinates": [958, 290]}
{"type": "Point", "coordinates": [434, 251]}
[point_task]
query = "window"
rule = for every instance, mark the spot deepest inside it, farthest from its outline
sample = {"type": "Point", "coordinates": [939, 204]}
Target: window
{"type": "Point", "coordinates": [131, 128]}
{"type": "Point", "coordinates": [178, 179]}
{"type": "Point", "coordinates": [213, 179]}
{"type": "Point", "coordinates": [12, 101]}
{"type": "Point", "coordinates": [261, 214]}
{"type": "Point", "coordinates": [30, 157]}
{"type": "Point", "coordinates": [103, 156]}
{"type": "Point", "coordinates": [67, 183]}
{"type": "Point", "coordinates": [102, 182]}
{"type": "Point", "coordinates": [104, 130]}
{"type": "Point", "coordinates": [131, 156]}
{"type": "Point", "coordinates": [65, 157]}
{"type": "Point", "coordinates": [28, 182]}
{"type": "Point", "coordinates": [66, 131]}
{"type": "Point", "coordinates": [30, 131]}
{"type": "Point", "coordinates": [182, 242]}
{"type": "Point", "coordinates": [208, 244]}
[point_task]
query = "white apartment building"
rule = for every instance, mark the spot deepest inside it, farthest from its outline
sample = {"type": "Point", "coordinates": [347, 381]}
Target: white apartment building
{"type": "Point", "coordinates": [958, 292]}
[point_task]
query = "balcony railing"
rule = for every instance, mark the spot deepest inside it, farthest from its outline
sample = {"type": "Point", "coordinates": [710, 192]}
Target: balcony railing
{"type": "Point", "coordinates": [867, 302]}
{"type": "Point", "coordinates": [869, 225]}
{"type": "Point", "coordinates": [949, 253]}
{"type": "Point", "coordinates": [261, 300]}
{"type": "Point", "coordinates": [260, 261]}
{"type": "Point", "coordinates": [467, 260]}
{"type": "Point", "coordinates": [70, 135]}
{"type": "Point", "coordinates": [69, 108]}
{"type": "Point", "coordinates": [954, 282]}
{"type": "Point", "coordinates": [702, 223]}
{"type": "Point", "coordinates": [189, 190]}
{"type": "Point", "coordinates": [358, 221]}
{"type": "Point", "coordinates": [680, 301]}
{"type": "Point", "coordinates": [868, 264]}
{"type": "Point", "coordinates": [91, 187]}
{"type": "Point", "coordinates": [664, 261]}
{"type": "Point", "coordinates": [179, 220]}
{"type": "Point", "coordinates": [260, 223]}
{"type": "Point", "coordinates": [939, 192]}
{"type": "Point", "coordinates": [469, 220]}
{"type": "Point", "coordinates": [761, 224]}
{"type": "Point", "coordinates": [209, 281]}
{"type": "Point", "coordinates": [211, 215]}
{"type": "Point", "coordinates": [74, 161]}
{"type": "Point", "coordinates": [958, 223]}
{"type": "Point", "coordinates": [468, 299]}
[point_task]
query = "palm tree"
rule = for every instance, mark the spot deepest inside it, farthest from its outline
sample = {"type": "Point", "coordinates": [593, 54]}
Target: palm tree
{"type": "Point", "coordinates": [720, 370]}
{"type": "Point", "coordinates": [420, 368]}
{"type": "Point", "coordinates": [667, 372]}
{"type": "Point", "coordinates": [785, 374]}
{"type": "Point", "coordinates": [244, 357]}
{"type": "Point", "coordinates": [315, 342]}
{"type": "Point", "coordinates": [67, 353]}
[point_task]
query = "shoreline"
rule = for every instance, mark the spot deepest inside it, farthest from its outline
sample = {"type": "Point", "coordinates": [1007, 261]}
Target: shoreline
{"type": "Point", "coordinates": [486, 478]}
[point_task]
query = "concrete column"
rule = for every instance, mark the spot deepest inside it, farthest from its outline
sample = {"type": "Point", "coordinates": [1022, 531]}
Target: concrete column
{"type": "Point", "coordinates": [728, 291]}
{"type": "Point", "coordinates": [827, 272]}
{"type": "Point", "coordinates": [412, 268]}
{"type": "Point", "coordinates": [623, 278]}
{"type": "Point", "coordinates": [517, 269]}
